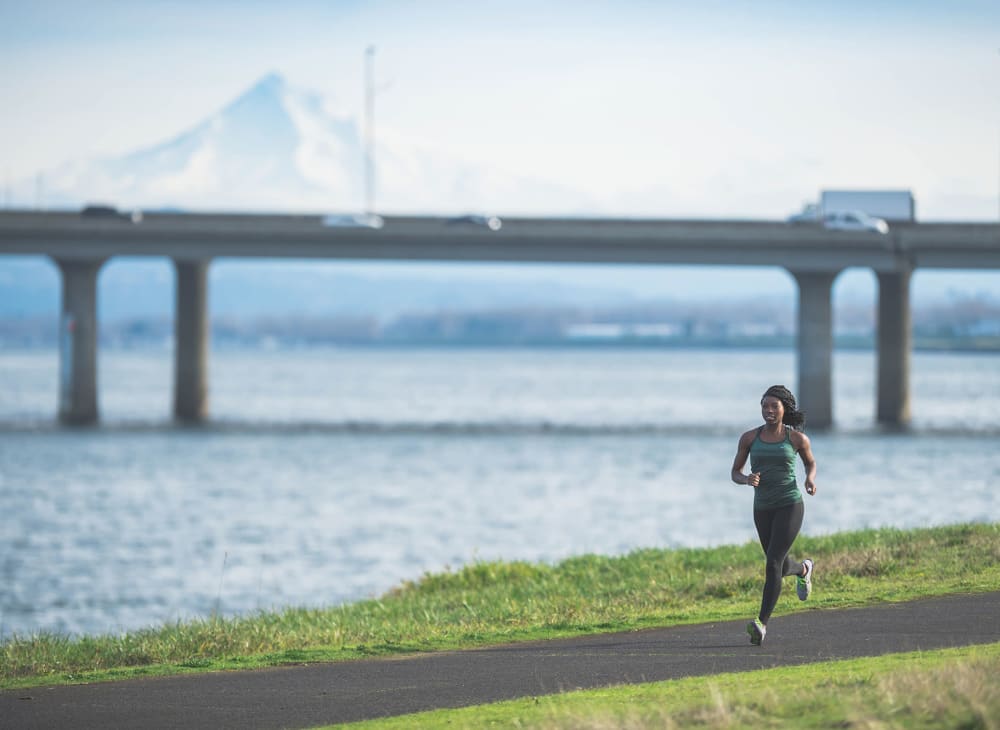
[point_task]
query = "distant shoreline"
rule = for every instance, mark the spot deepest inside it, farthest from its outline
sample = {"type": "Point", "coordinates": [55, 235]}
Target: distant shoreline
{"type": "Point", "coordinates": [985, 345]}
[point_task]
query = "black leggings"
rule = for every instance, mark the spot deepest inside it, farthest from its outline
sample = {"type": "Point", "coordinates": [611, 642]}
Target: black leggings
{"type": "Point", "coordinates": [777, 529]}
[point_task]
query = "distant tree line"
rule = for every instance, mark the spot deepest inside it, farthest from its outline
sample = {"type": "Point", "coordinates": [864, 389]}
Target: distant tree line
{"type": "Point", "coordinates": [967, 323]}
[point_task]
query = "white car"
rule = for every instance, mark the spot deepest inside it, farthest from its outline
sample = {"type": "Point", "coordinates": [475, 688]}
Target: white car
{"type": "Point", "coordinates": [854, 220]}
{"type": "Point", "coordinates": [353, 220]}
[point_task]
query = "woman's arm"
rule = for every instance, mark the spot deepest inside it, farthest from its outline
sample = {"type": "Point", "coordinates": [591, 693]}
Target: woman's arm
{"type": "Point", "coordinates": [742, 454]}
{"type": "Point", "coordinates": [805, 453]}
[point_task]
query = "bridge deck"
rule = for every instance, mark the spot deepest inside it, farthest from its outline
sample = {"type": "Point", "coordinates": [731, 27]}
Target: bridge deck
{"type": "Point", "coordinates": [800, 247]}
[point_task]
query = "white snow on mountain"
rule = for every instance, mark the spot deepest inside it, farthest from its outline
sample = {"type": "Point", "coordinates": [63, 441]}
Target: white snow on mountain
{"type": "Point", "coordinates": [280, 148]}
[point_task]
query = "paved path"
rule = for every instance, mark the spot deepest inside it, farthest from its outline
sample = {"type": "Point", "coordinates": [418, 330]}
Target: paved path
{"type": "Point", "coordinates": [319, 694]}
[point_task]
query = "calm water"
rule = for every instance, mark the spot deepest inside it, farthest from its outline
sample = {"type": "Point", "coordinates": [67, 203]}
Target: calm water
{"type": "Point", "coordinates": [331, 475]}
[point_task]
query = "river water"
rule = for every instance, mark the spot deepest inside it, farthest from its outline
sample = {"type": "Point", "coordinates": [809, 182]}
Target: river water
{"type": "Point", "coordinates": [329, 475]}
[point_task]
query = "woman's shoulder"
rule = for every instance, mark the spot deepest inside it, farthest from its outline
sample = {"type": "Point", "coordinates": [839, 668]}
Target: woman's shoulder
{"type": "Point", "coordinates": [749, 436]}
{"type": "Point", "coordinates": [798, 438]}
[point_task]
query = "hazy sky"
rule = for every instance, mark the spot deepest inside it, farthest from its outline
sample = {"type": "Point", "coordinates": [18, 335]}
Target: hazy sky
{"type": "Point", "coordinates": [649, 107]}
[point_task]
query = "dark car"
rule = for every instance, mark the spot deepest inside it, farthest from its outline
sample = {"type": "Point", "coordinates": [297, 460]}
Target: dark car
{"type": "Point", "coordinates": [485, 221]}
{"type": "Point", "coordinates": [109, 212]}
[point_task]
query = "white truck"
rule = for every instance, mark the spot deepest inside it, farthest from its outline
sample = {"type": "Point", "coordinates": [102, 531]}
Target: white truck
{"type": "Point", "coordinates": [889, 205]}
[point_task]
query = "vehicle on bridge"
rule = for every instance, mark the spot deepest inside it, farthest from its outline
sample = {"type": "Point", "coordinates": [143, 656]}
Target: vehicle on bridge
{"type": "Point", "coordinates": [890, 205]}
{"type": "Point", "coordinates": [485, 221]}
{"type": "Point", "coordinates": [353, 220]}
{"type": "Point", "coordinates": [109, 212]}
{"type": "Point", "coordinates": [810, 213]}
{"type": "Point", "coordinates": [854, 220]}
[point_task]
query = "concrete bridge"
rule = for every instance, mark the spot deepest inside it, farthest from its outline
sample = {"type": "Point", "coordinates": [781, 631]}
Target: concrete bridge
{"type": "Point", "coordinates": [813, 255]}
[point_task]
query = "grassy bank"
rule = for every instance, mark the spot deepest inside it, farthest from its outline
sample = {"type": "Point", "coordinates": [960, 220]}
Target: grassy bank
{"type": "Point", "coordinates": [489, 603]}
{"type": "Point", "coordinates": [951, 688]}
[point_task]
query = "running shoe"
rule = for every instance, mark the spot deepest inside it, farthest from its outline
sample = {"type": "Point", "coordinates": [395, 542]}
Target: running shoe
{"type": "Point", "coordinates": [804, 583]}
{"type": "Point", "coordinates": [756, 630]}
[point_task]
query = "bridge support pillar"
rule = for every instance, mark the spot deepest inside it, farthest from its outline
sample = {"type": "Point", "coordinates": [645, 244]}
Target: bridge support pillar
{"type": "Point", "coordinates": [191, 341]}
{"type": "Point", "coordinates": [78, 341]}
{"type": "Point", "coordinates": [895, 339]}
{"type": "Point", "coordinates": [815, 345]}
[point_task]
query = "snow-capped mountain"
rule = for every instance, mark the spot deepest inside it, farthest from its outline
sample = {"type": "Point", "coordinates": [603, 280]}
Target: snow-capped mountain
{"type": "Point", "coordinates": [280, 148]}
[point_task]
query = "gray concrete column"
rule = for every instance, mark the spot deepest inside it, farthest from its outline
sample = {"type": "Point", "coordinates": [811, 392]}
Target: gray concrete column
{"type": "Point", "coordinates": [895, 340]}
{"type": "Point", "coordinates": [815, 343]}
{"type": "Point", "coordinates": [78, 341]}
{"type": "Point", "coordinates": [191, 341]}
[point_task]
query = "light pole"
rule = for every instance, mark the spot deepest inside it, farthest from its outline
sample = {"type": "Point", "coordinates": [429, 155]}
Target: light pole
{"type": "Point", "coordinates": [370, 131]}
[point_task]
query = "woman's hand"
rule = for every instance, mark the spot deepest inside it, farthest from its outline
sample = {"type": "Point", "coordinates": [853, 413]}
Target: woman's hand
{"type": "Point", "coordinates": [810, 487]}
{"type": "Point", "coordinates": [753, 479]}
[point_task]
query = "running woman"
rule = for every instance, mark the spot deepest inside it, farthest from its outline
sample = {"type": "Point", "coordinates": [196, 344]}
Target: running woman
{"type": "Point", "coordinates": [777, 501]}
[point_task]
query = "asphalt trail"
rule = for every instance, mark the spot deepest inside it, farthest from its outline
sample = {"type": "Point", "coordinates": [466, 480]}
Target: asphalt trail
{"type": "Point", "coordinates": [321, 694]}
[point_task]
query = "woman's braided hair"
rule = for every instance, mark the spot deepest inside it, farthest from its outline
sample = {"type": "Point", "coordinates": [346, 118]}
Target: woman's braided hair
{"type": "Point", "coordinates": [793, 416]}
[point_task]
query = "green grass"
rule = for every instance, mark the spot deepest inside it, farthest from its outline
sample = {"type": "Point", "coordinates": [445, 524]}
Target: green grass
{"type": "Point", "coordinates": [951, 688]}
{"type": "Point", "coordinates": [496, 602]}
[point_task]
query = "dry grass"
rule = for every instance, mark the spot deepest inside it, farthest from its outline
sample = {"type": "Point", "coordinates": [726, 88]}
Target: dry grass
{"type": "Point", "coordinates": [957, 693]}
{"type": "Point", "coordinates": [964, 695]}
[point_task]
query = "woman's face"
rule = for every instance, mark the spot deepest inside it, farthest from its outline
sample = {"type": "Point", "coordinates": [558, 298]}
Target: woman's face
{"type": "Point", "coordinates": [772, 409]}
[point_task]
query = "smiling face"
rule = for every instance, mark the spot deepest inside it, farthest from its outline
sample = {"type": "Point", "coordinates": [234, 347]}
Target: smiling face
{"type": "Point", "coordinates": [772, 409]}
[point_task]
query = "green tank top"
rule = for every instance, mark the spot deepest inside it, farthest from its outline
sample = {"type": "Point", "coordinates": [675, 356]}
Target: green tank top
{"type": "Point", "coordinates": [776, 464]}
